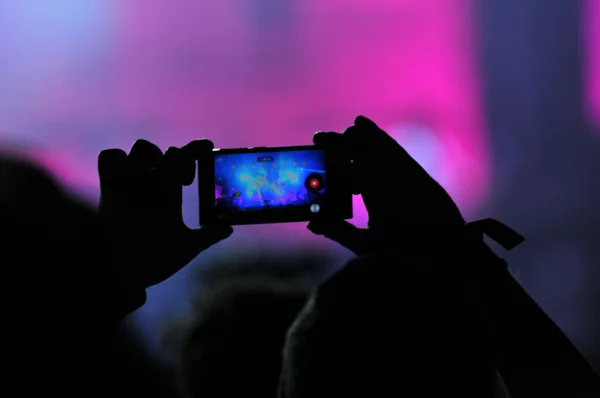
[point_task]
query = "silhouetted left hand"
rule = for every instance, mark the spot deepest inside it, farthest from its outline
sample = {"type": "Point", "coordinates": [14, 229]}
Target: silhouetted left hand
{"type": "Point", "coordinates": [140, 206]}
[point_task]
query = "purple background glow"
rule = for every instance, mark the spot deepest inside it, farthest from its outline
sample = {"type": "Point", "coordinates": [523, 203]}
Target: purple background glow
{"type": "Point", "coordinates": [105, 73]}
{"type": "Point", "coordinates": [592, 39]}
{"type": "Point", "coordinates": [487, 95]}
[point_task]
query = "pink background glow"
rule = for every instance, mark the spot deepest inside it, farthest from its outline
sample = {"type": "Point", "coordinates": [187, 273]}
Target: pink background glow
{"type": "Point", "coordinates": [592, 36]}
{"type": "Point", "coordinates": [79, 76]}
{"type": "Point", "coordinates": [101, 74]}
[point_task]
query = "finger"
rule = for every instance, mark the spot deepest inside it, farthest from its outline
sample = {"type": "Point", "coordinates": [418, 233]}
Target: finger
{"type": "Point", "coordinates": [178, 167]}
{"type": "Point", "coordinates": [364, 122]}
{"type": "Point", "coordinates": [328, 139]}
{"type": "Point", "coordinates": [207, 236]}
{"type": "Point", "coordinates": [371, 130]}
{"type": "Point", "coordinates": [144, 155]}
{"type": "Point", "coordinates": [358, 179]}
{"type": "Point", "coordinates": [197, 148]}
{"type": "Point", "coordinates": [193, 242]}
{"type": "Point", "coordinates": [369, 140]}
{"type": "Point", "coordinates": [365, 136]}
{"type": "Point", "coordinates": [366, 139]}
{"type": "Point", "coordinates": [198, 240]}
{"type": "Point", "coordinates": [111, 165]}
{"type": "Point", "coordinates": [337, 145]}
{"type": "Point", "coordinates": [376, 157]}
{"type": "Point", "coordinates": [344, 233]}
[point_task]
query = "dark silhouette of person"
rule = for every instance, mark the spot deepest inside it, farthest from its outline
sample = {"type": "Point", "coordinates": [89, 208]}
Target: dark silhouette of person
{"type": "Point", "coordinates": [233, 346]}
{"type": "Point", "coordinates": [428, 309]}
{"type": "Point", "coordinates": [144, 236]}
{"type": "Point", "coordinates": [238, 321]}
{"type": "Point", "coordinates": [72, 273]}
{"type": "Point", "coordinates": [56, 296]}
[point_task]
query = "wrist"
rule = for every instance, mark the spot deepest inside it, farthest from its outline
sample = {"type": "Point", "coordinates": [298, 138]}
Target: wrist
{"type": "Point", "coordinates": [125, 293]}
{"type": "Point", "coordinates": [459, 253]}
{"type": "Point", "coordinates": [126, 300]}
{"type": "Point", "coordinates": [429, 240]}
{"type": "Point", "coordinates": [466, 244]}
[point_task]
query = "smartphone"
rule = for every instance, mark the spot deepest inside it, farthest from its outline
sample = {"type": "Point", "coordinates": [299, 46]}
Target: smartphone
{"type": "Point", "coordinates": [273, 185]}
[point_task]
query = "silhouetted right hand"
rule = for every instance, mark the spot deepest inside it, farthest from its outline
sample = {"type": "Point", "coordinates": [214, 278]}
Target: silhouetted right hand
{"type": "Point", "coordinates": [406, 206]}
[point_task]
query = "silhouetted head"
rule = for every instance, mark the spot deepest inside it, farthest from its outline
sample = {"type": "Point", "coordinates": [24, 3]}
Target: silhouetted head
{"type": "Point", "coordinates": [234, 346]}
{"type": "Point", "coordinates": [385, 327]}
{"type": "Point", "coordinates": [231, 344]}
{"type": "Point", "coordinates": [48, 235]}
{"type": "Point", "coordinates": [52, 277]}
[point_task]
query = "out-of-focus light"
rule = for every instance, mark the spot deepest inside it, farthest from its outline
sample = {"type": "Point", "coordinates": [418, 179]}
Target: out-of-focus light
{"type": "Point", "coordinates": [67, 168]}
{"type": "Point", "coordinates": [421, 143]}
{"type": "Point", "coordinates": [446, 156]}
{"type": "Point", "coordinates": [592, 38]}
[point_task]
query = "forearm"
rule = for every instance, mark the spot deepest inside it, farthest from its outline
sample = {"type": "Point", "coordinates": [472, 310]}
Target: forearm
{"type": "Point", "coordinates": [119, 294]}
{"type": "Point", "coordinates": [533, 354]}
{"type": "Point", "coordinates": [125, 301]}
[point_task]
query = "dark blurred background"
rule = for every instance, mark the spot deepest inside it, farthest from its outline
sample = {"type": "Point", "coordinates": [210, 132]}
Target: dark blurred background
{"type": "Point", "coordinates": [498, 99]}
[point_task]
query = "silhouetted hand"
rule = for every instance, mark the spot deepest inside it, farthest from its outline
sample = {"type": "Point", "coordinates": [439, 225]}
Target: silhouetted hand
{"type": "Point", "coordinates": [406, 206]}
{"type": "Point", "coordinates": [140, 205]}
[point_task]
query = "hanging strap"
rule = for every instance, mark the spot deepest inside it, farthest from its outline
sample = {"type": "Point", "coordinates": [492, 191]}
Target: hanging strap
{"type": "Point", "coordinates": [497, 231]}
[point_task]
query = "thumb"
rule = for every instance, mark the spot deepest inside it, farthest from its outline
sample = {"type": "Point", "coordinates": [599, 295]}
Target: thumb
{"type": "Point", "coordinates": [208, 235]}
{"type": "Point", "coordinates": [344, 233]}
{"type": "Point", "coordinates": [111, 165]}
{"type": "Point", "coordinates": [188, 246]}
{"type": "Point", "coordinates": [198, 240]}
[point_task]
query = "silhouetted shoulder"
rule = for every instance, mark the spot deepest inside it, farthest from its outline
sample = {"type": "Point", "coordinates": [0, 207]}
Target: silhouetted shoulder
{"type": "Point", "coordinates": [384, 323]}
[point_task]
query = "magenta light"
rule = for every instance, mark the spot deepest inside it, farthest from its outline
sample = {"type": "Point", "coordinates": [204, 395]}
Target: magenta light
{"type": "Point", "coordinates": [105, 73]}
{"type": "Point", "coordinates": [592, 41]}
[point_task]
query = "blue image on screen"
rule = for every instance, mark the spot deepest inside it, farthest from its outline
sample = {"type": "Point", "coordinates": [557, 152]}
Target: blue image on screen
{"type": "Point", "coordinates": [256, 181]}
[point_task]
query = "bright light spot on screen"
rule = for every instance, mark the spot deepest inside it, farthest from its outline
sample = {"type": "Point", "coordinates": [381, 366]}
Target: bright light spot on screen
{"type": "Point", "coordinates": [291, 176]}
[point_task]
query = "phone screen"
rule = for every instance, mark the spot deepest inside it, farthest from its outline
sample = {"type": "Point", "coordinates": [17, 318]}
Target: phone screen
{"type": "Point", "coordinates": [269, 181]}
